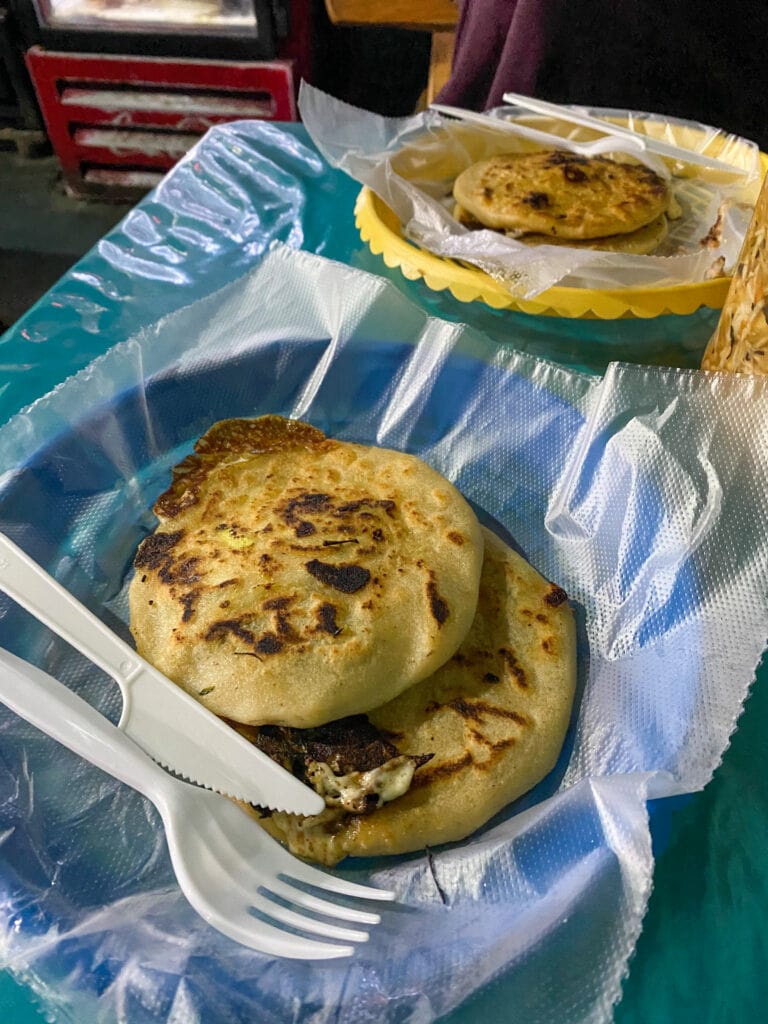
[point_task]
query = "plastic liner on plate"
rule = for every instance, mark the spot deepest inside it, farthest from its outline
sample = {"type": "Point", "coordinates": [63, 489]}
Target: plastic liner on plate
{"type": "Point", "coordinates": [411, 163]}
{"type": "Point", "coordinates": [643, 494]}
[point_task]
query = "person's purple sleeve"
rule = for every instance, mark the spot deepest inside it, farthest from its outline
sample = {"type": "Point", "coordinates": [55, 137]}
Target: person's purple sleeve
{"type": "Point", "coordinates": [499, 47]}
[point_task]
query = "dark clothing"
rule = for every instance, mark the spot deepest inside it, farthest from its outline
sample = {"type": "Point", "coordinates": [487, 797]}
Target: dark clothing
{"type": "Point", "coordinates": [704, 61]}
{"type": "Point", "coordinates": [500, 46]}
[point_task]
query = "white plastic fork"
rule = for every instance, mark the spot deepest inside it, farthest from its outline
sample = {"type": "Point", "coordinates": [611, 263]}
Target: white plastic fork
{"type": "Point", "coordinates": [650, 144]}
{"type": "Point", "coordinates": [613, 143]}
{"type": "Point", "coordinates": [227, 866]}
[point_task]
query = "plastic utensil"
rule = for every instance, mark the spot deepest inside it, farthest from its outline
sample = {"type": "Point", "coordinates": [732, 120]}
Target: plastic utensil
{"type": "Point", "coordinates": [613, 143]}
{"type": "Point", "coordinates": [650, 144]}
{"type": "Point", "coordinates": [226, 864]}
{"type": "Point", "coordinates": [166, 722]}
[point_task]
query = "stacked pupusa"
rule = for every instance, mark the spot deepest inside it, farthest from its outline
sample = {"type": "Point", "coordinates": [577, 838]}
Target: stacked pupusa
{"type": "Point", "coordinates": [559, 198]}
{"type": "Point", "coordinates": [342, 607]}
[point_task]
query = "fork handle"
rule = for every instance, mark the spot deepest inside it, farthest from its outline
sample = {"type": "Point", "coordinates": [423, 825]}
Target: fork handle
{"type": "Point", "coordinates": [501, 125]}
{"type": "Point", "coordinates": [41, 595]}
{"type": "Point", "coordinates": [60, 713]}
{"type": "Point", "coordinates": [566, 113]}
{"type": "Point", "coordinates": [535, 134]}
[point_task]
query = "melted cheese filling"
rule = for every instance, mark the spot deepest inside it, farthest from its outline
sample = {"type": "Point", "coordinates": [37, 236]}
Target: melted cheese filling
{"type": "Point", "coordinates": [317, 836]}
{"type": "Point", "coordinates": [358, 792]}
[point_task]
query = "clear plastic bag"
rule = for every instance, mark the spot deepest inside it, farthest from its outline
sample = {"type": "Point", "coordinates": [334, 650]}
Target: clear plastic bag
{"type": "Point", "coordinates": [643, 494]}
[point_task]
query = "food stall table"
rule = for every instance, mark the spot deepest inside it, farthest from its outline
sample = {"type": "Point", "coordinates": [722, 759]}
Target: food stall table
{"type": "Point", "coordinates": [700, 956]}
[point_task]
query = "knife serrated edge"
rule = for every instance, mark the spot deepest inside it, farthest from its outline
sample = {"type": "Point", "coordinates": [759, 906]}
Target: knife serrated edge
{"type": "Point", "coordinates": [273, 805]}
{"type": "Point", "coordinates": [27, 583]}
{"type": "Point", "coordinates": [233, 766]}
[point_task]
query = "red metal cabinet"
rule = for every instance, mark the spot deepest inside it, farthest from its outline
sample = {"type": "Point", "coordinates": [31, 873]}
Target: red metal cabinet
{"type": "Point", "coordinates": [117, 123]}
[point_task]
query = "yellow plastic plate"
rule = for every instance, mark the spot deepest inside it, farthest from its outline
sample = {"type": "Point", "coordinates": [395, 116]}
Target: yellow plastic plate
{"type": "Point", "coordinates": [382, 231]}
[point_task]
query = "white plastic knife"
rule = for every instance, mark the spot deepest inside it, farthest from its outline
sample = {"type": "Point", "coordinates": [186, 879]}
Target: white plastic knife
{"type": "Point", "coordinates": [649, 142]}
{"type": "Point", "coordinates": [167, 723]}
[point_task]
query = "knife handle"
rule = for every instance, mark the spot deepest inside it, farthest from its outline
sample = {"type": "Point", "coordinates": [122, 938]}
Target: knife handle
{"type": "Point", "coordinates": [41, 595]}
{"type": "Point", "coordinates": [62, 714]}
{"type": "Point", "coordinates": [232, 764]}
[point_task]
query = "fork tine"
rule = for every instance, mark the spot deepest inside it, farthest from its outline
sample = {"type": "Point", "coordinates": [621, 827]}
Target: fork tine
{"type": "Point", "coordinates": [320, 906]}
{"type": "Point", "coordinates": [297, 871]}
{"type": "Point", "coordinates": [291, 869]}
{"type": "Point", "coordinates": [266, 938]}
{"type": "Point", "coordinates": [307, 924]}
{"type": "Point", "coordinates": [281, 864]}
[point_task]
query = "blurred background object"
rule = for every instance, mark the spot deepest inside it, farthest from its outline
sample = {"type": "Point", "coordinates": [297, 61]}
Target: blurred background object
{"type": "Point", "coordinates": [740, 341]}
{"type": "Point", "coordinates": [435, 19]}
{"type": "Point", "coordinates": [699, 61]}
{"type": "Point", "coordinates": [43, 230]}
{"type": "Point", "coordinates": [21, 125]}
{"type": "Point", "coordinates": [99, 98]}
{"type": "Point", "coordinates": [126, 87]}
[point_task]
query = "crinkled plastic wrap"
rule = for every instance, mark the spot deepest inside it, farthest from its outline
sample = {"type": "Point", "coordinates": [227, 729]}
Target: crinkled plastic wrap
{"type": "Point", "coordinates": [643, 494]}
{"type": "Point", "coordinates": [411, 163]}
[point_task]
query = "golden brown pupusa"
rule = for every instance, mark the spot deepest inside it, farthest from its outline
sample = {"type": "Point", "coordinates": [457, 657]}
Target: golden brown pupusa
{"type": "Point", "coordinates": [493, 717]}
{"type": "Point", "coordinates": [561, 195]}
{"type": "Point", "coordinates": [294, 579]}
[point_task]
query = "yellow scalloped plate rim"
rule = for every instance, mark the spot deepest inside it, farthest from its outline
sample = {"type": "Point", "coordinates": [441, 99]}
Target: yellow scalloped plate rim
{"type": "Point", "coordinates": [380, 229]}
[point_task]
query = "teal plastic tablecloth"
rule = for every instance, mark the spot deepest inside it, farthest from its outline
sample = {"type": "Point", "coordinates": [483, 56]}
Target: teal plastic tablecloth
{"type": "Point", "coordinates": [702, 955]}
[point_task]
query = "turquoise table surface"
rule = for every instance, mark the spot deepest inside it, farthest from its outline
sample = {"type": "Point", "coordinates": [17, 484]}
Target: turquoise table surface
{"type": "Point", "coordinates": [17, 1004]}
{"type": "Point", "coordinates": [702, 955]}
